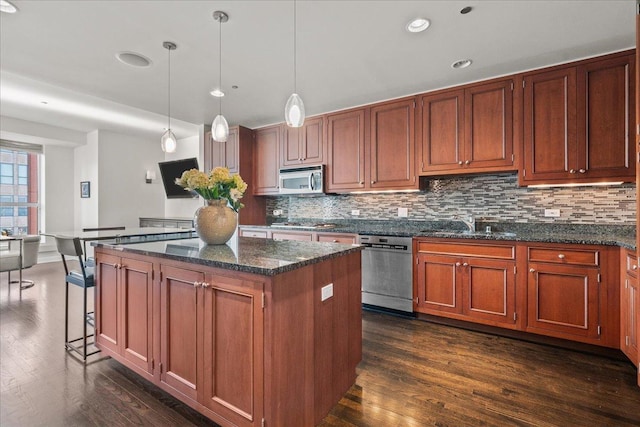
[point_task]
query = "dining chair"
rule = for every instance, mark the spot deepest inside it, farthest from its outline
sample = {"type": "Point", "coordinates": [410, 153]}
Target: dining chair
{"type": "Point", "coordinates": [84, 278]}
{"type": "Point", "coordinates": [12, 259]}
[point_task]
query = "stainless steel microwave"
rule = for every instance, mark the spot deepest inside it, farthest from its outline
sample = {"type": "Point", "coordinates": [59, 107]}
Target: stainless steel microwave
{"type": "Point", "coordinates": [303, 180]}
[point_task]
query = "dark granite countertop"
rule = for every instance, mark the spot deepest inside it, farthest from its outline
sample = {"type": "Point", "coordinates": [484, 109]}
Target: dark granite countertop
{"type": "Point", "coordinates": [592, 234]}
{"type": "Point", "coordinates": [265, 257]}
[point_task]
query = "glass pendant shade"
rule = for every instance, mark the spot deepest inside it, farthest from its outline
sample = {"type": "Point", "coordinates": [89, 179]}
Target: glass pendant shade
{"type": "Point", "coordinates": [168, 142]}
{"type": "Point", "coordinates": [294, 111]}
{"type": "Point", "coordinates": [220, 129]}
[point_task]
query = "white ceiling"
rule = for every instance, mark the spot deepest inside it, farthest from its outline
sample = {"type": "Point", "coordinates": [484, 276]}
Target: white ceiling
{"type": "Point", "coordinates": [348, 53]}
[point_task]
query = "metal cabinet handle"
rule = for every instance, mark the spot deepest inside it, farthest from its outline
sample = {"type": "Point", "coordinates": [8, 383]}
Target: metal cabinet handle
{"type": "Point", "coordinates": [335, 241]}
{"type": "Point", "coordinates": [458, 264]}
{"type": "Point", "coordinates": [205, 285]}
{"type": "Point", "coordinates": [635, 267]}
{"type": "Point", "coordinates": [582, 170]}
{"type": "Point", "coordinates": [467, 162]}
{"type": "Point", "coordinates": [531, 270]}
{"type": "Point", "coordinates": [572, 171]}
{"type": "Point", "coordinates": [373, 182]}
{"type": "Point", "coordinates": [561, 256]}
{"type": "Point", "coordinates": [196, 284]}
{"type": "Point", "coordinates": [361, 182]}
{"type": "Point", "coordinates": [460, 162]}
{"type": "Point", "coordinates": [465, 264]}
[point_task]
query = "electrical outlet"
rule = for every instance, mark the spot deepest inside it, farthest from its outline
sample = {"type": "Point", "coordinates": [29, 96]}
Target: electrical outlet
{"type": "Point", "coordinates": [552, 213]}
{"type": "Point", "coordinates": [403, 212]}
{"type": "Point", "coordinates": [355, 212]}
{"type": "Point", "coordinates": [277, 212]}
{"type": "Point", "coordinates": [327, 292]}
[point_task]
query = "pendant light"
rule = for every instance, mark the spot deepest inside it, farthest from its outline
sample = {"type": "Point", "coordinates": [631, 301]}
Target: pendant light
{"type": "Point", "coordinates": [168, 141]}
{"type": "Point", "coordinates": [294, 110]}
{"type": "Point", "coordinates": [220, 127]}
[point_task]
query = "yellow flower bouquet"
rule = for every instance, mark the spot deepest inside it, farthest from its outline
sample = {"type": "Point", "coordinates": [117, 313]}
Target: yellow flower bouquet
{"type": "Point", "coordinates": [218, 184]}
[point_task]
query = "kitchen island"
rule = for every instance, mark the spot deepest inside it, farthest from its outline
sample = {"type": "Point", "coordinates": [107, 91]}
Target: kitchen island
{"type": "Point", "coordinates": [264, 333]}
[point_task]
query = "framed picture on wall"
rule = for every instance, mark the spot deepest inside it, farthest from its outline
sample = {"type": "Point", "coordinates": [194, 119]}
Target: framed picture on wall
{"type": "Point", "coordinates": [85, 189]}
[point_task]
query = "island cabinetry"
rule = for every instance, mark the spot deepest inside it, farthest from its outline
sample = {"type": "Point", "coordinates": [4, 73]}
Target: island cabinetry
{"type": "Point", "coordinates": [629, 305]}
{"type": "Point", "coordinates": [572, 293]}
{"type": "Point", "coordinates": [303, 145]}
{"type": "Point", "coordinates": [266, 159]}
{"type": "Point", "coordinates": [468, 129]}
{"type": "Point", "coordinates": [124, 310]}
{"type": "Point", "coordinates": [236, 154]}
{"type": "Point", "coordinates": [253, 232]}
{"type": "Point", "coordinates": [336, 237]}
{"type": "Point", "coordinates": [292, 235]}
{"type": "Point", "coordinates": [577, 122]}
{"type": "Point", "coordinates": [466, 281]}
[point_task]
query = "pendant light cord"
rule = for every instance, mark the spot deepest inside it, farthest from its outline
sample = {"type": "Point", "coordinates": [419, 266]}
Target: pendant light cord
{"type": "Point", "coordinates": [295, 77]}
{"type": "Point", "coordinates": [169, 95]}
{"type": "Point", "coordinates": [220, 66]}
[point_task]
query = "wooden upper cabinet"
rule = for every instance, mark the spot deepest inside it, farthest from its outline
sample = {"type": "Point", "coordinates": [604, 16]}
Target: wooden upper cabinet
{"type": "Point", "coordinates": [392, 146]}
{"type": "Point", "coordinates": [223, 153]}
{"type": "Point", "coordinates": [304, 145]}
{"type": "Point", "coordinates": [266, 160]}
{"type": "Point", "coordinates": [346, 150]}
{"type": "Point", "coordinates": [467, 130]}
{"type": "Point", "coordinates": [441, 117]}
{"type": "Point", "coordinates": [577, 122]}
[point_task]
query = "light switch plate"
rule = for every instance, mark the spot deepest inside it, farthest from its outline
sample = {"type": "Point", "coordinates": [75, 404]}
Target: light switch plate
{"type": "Point", "coordinates": [552, 213]}
{"type": "Point", "coordinates": [327, 292]}
{"type": "Point", "coordinates": [277, 212]}
{"type": "Point", "coordinates": [355, 212]}
{"type": "Point", "coordinates": [403, 212]}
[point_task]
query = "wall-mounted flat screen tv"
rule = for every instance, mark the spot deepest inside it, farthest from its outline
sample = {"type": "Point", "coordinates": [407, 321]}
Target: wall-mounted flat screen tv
{"type": "Point", "coordinates": [173, 169]}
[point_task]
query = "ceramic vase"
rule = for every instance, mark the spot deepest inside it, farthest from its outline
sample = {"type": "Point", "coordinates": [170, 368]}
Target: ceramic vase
{"type": "Point", "coordinates": [216, 222]}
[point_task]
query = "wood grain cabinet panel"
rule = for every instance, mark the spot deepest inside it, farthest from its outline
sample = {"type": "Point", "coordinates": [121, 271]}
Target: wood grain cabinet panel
{"type": "Point", "coordinates": [442, 131]}
{"type": "Point", "coordinates": [629, 305]}
{"type": "Point", "coordinates": [292, 235]}
{"type": "Point", "coordinates": [180, 320]}
{"type": "Point", "coordinates": [266, 160]}
{"type": "Point", "coordinates": [489, 290]}
{"type": "Point", "coordinates": [577, 122]}
{"type": "Point", "coordinates": [346, 150]}
{"type": "Point", "coordinates": [223, 153]}
{"type": "Point", "coordinates": [106, 310]}
{"type": "Point", "coordinates": [304, 145]}
{"type": "Point", "coordinates": [438, 284]}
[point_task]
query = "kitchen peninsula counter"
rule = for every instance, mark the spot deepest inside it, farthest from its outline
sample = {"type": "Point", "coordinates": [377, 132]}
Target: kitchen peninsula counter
{"type": "Point", "coordinates": [264, 333]}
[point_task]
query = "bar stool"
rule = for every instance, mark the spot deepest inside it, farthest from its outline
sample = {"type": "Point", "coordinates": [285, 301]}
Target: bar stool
{"type": "Point", "coordinates": [71, 246]}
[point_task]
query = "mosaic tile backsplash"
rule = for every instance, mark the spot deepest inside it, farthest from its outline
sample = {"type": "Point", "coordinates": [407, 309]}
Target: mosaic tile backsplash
{"type": "Point", "coordinates": [486, 197]}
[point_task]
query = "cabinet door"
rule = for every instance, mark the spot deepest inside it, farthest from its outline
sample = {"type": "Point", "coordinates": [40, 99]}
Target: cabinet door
{"type": "Point", "coordinates": [346, 150]}
{"type": "Point", "coordinates": [442, 130]}
{"type": "Point", "coordinates": [136, 289]}
{"type": "Point", "coordinates": [628, 315]}
{"type": "Point", "coordinates": [437, 287]}
{"type": "Point", "coordinates": [290, 150]}
{"type": "Point", "coordinates": [550, 139]}
{"type": "Point", "coordinates": [233, 349]}
{"type": "Point", "coordinates": [489, 125]}
{"type": "Point", "coordinates": [222, 153]}
{"type": "Point", "coordinates": [180, 323]}
{"type": "Point", "coordinates": [106, 308]}
{"type": "Point", "coordinates": [489, 290]}
{"type": "Point", "coordinates": [563, 301]}
{"type": "Point", "coordinates": [311, 141]}
{"type": "Point", "coordinates": [605, 119]}
{"type": "Point", "coordinates": [266, 160]}
{"type": "Point", "coordinates": [392, 146]}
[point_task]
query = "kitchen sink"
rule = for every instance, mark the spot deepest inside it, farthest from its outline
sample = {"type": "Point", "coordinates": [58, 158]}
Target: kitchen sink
{"type": "Point", "coordinates": [454, 233]}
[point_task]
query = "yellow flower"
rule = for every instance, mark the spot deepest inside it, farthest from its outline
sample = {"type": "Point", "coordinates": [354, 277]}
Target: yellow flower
{"type": "Point", "coordinates": [220, 175]}
{"type": "Point", "coordinates": [241, 186]}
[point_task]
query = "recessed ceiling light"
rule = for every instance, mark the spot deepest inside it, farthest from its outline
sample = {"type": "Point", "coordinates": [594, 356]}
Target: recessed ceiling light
{"type": "Point", "coordinates": [44, 102]}
{"type": "Point", "coordinates": [418, 25]}
{"type": "Point", "coordinates": [217, 93]}
{"type": "Point", "coordinates": [466, 10]}
{"type": "Point", "coordinates": [234, 87]}
{"type": "Point", "coordinates": [133, 59]}
{"type": "Point", "coordinates": [463, 63]}
{"type": "Point", "coordinates": [7, 7]}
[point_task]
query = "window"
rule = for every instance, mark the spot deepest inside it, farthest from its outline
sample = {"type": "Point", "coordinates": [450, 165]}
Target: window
{"type": "Point", "coordinates": [19, 187]}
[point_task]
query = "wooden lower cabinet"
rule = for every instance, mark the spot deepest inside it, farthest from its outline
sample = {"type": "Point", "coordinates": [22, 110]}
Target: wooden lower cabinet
{"type": "Point", "coordinates": [124, 309]}
{"type": "Point", "coordinates": [242, 349]}
{"type": "Point", "coordinates": [292, 235]}
{"type": "Point", "coordinates": [629, 305]}
{"type": "Point", "coordinates": [479, 288]}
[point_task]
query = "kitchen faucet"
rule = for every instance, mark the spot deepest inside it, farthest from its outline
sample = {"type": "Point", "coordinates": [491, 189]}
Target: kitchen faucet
{"type": "Point", "coordinates": [470, 223]}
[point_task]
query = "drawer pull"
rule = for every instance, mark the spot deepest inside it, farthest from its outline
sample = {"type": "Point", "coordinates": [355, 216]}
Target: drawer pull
{"type": "Point", "coordinates": [196, 284]}
{"type": "Point", "coordinates": [532, 270]}
{"type": "Point", "coordinates": [582, 170]}
{"type": "Point", "coordinates": [458, 264]}
{"type": "Point", "coordinates": [465, 264]}
{"type": "Point", "coordinates": [460, 162]}
{"type": "Point", "coordinates": [635, 267]}
{"type": "Point", "coordinates": [561, 256]}
{"type": "Point", "coordinates": [334, 241]}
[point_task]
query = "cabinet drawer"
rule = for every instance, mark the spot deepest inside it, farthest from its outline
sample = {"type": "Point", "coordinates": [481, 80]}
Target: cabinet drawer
{"type": "Point", "coordinates": [253, 233]}
{"type": "Point", "coordinates": [565, 255]}
{"type": "Point", "coordinates": [481, 250]}
{"type": "Point", "coordinates": [631, 264]}
{"type": "Point", "coordinates": [283, 235]}
{"type": "Point", "coordinates": [336, 238]}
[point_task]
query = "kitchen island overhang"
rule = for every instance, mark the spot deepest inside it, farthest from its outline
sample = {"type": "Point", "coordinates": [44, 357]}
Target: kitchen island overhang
{"type": "Point", "coordinates": [265, 330]}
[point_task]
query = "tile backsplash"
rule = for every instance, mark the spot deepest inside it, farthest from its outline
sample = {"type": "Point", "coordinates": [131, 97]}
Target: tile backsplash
{"type": "Point", "coordinates": [487, 197]}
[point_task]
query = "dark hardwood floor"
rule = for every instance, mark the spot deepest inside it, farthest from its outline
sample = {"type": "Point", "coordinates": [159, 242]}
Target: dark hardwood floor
{"type": "Point", "coordinates": [413, 373]}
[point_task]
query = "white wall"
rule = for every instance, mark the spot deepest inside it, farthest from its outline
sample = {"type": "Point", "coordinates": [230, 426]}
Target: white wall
{"type": "Point", "coordinates": [184, 208]}
{"type": "Point", "coordinates": [86, 169]}
{"type": "Point", "coordinates": [123, 194]}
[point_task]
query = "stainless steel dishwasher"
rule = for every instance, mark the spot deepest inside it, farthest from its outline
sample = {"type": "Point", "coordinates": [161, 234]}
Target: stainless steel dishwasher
{"type": "Point", "coordinates": [387, 272]}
